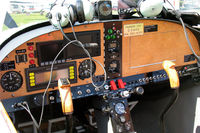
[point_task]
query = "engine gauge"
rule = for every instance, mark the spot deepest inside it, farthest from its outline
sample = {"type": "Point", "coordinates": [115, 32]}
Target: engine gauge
{"type": "Point", "coordinates": [113, 47]}
{"type": "Point", "coordinates": [84, 69]}
{"type": "Point", "coordinates": [11, 81]}
{"type": "Point", "coordinates": [120, 108]}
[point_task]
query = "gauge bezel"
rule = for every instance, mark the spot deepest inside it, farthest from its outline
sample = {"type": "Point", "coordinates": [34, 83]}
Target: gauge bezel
{"type": "Point", "coordinates": [116, 107]}
{"type": "Point", "coordinates": [102, 12]}
{"type": "Point", "coordinates": [21, 79]}
{"type": "Point", "coordinates": [81, 69]}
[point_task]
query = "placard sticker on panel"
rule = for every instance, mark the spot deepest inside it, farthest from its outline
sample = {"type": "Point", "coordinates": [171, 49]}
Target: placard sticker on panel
{"type": "Point", "coordinates": [133, 29]}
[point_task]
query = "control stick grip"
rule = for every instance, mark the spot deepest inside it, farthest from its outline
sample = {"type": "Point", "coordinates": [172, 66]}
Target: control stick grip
{"type": "Point", "coordinates": [169, 67]}
{"type": "Point", "coordinates": [66, 96]}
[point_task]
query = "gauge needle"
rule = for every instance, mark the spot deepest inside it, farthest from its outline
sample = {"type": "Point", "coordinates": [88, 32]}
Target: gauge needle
{"type": "Point", "coordinates": [10, 76]}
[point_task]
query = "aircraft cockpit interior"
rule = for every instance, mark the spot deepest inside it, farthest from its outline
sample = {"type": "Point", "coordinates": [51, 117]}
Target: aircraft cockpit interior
{"type": "Point", "coordinates": [101, 66]}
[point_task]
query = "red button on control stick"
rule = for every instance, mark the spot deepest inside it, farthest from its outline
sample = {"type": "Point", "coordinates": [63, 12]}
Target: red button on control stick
{"type": "Point", "coordinates": [113, 85]}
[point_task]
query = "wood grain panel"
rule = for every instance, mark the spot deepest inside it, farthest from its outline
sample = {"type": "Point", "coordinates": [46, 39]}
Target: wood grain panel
{"type": "Point", "coordinates": [56, 35]}
{"type": "Point", "coordinates": [145, 53]}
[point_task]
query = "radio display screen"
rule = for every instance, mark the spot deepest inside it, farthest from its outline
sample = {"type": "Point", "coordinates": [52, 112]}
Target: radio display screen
{"type": "Point", "coordinates": [49, 51]}
{"type": "Point", "coordinates": [43, 77]}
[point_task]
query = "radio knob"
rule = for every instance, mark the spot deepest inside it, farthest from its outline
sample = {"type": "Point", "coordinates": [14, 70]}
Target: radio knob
{"type": "Point", "coordinates": [97, 89]}
{"type": "Point", "coordinates": [51, 98]}
{"type": "Point", "coordinates": [79, 93]}
{"type": "Point", "coordinates": [125, 94]}
{"type": "Point", "coordinates": [88, 91]}
{"type": "Point", "coordinates": [140, 80]}
{"type": "Point", "coordinates": [38, 100]}
{"type": "Point", "coordinates": [106, 87]}
{"type": "Point", "coordinates": [139, 90]}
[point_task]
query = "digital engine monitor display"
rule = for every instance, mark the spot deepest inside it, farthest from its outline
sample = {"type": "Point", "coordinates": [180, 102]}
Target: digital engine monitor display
{"type": "Point", "coordinates": [43, 77]}
{"type": "Point", "coordinates": [38, 78]}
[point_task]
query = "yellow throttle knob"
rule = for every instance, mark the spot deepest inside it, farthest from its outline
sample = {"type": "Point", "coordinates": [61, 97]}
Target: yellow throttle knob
{"type": "Point", "coordinates": [169, 67]}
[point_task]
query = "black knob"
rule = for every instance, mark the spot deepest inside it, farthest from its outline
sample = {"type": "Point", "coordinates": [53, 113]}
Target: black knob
{"type": "Point", "coordinates": [38, 100]}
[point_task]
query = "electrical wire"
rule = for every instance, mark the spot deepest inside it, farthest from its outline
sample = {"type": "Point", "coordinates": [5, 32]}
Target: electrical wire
{"type": "Point", "coordinates": [86, 51]}
{"type": "Point", "coordinates": [72, 27]}
{"type": "Point", "coordinates": [176, 92]}
{"type": "Point", "coordinates": [28, 110]}
{"type": "Point", "coordinates": [172, 101]}
{"type": "Point", "coordinates": [50, 78]}
{"type": "Point", "coordinates": [178, 15]}
{"type": "Point", "coordinates": [51, 70]}
{"type": "Point", "coordinates": [52, 5]}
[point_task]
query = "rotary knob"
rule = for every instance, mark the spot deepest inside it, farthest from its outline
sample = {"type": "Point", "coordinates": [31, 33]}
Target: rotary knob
{"type": "Point", "coordinates": [139, 90]}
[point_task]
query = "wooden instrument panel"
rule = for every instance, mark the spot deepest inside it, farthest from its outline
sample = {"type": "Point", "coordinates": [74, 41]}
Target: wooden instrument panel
{"type": "Point", "coordinates": [145, 53]}
{"type": "Point", "coordinates": [145, 45]}
{"type": "Point", "coordinates": [56, 35]}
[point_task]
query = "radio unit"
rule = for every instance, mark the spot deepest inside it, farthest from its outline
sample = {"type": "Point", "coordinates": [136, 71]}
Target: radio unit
{"type": "Point", "coordinates": [38, 78]}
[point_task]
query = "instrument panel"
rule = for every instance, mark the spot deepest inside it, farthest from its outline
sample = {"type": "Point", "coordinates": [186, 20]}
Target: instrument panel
{"type": "Point", "coordinates": [128, 50]}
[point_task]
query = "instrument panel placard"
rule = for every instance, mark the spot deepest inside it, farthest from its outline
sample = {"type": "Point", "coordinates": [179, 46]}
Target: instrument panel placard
{"type": "Point", "coordinates": [133, 29]}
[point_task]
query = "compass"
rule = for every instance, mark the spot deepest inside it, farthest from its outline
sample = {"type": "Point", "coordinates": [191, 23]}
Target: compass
{"type": "Point", "coordinates": [104, 10]}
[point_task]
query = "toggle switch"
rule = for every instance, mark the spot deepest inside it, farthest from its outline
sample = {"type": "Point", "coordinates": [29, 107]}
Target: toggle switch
{"type": "Point", "coordinates": [113, 85]}
{"type": "Point", "coordinates": [121, 84]}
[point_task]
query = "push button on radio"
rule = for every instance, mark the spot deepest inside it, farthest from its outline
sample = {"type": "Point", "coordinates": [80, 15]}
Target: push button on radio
{"type": "Point", "coordinates": [32, 84]}
{"type": "Point", "coordinates": [31, 74]}
{"type": "Point", "coordinates": [71, 71]}
{"type": "Point", "coordinates": [71, 77]}
{"type": "Point", "coordinates": [32, 81]}
{"type": "Point", "coordinates": [71, 68]}
{"type": "Point", "coordinates": [31, 77]}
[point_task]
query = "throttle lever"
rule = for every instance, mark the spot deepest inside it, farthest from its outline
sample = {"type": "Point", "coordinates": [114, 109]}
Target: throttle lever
{"type": "Point", "coordinates": [169, 67]}
{"type": "Point", "coordinates": [66, 96]}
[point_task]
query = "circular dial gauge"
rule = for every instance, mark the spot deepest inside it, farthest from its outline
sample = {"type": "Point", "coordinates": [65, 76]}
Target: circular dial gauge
{"type": "Point", "coordinates": [11, 81]}
{"type": "Point", "coordinates": [113, 66]}
{"type": "Point", "coordinates": [84, 69]}
{"type": "Point", "coordinates": [120, 108]}
{"type": "Point", "coordinates": [113, 47]}
{"type": "Point", "coordinates": [105, 9]}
